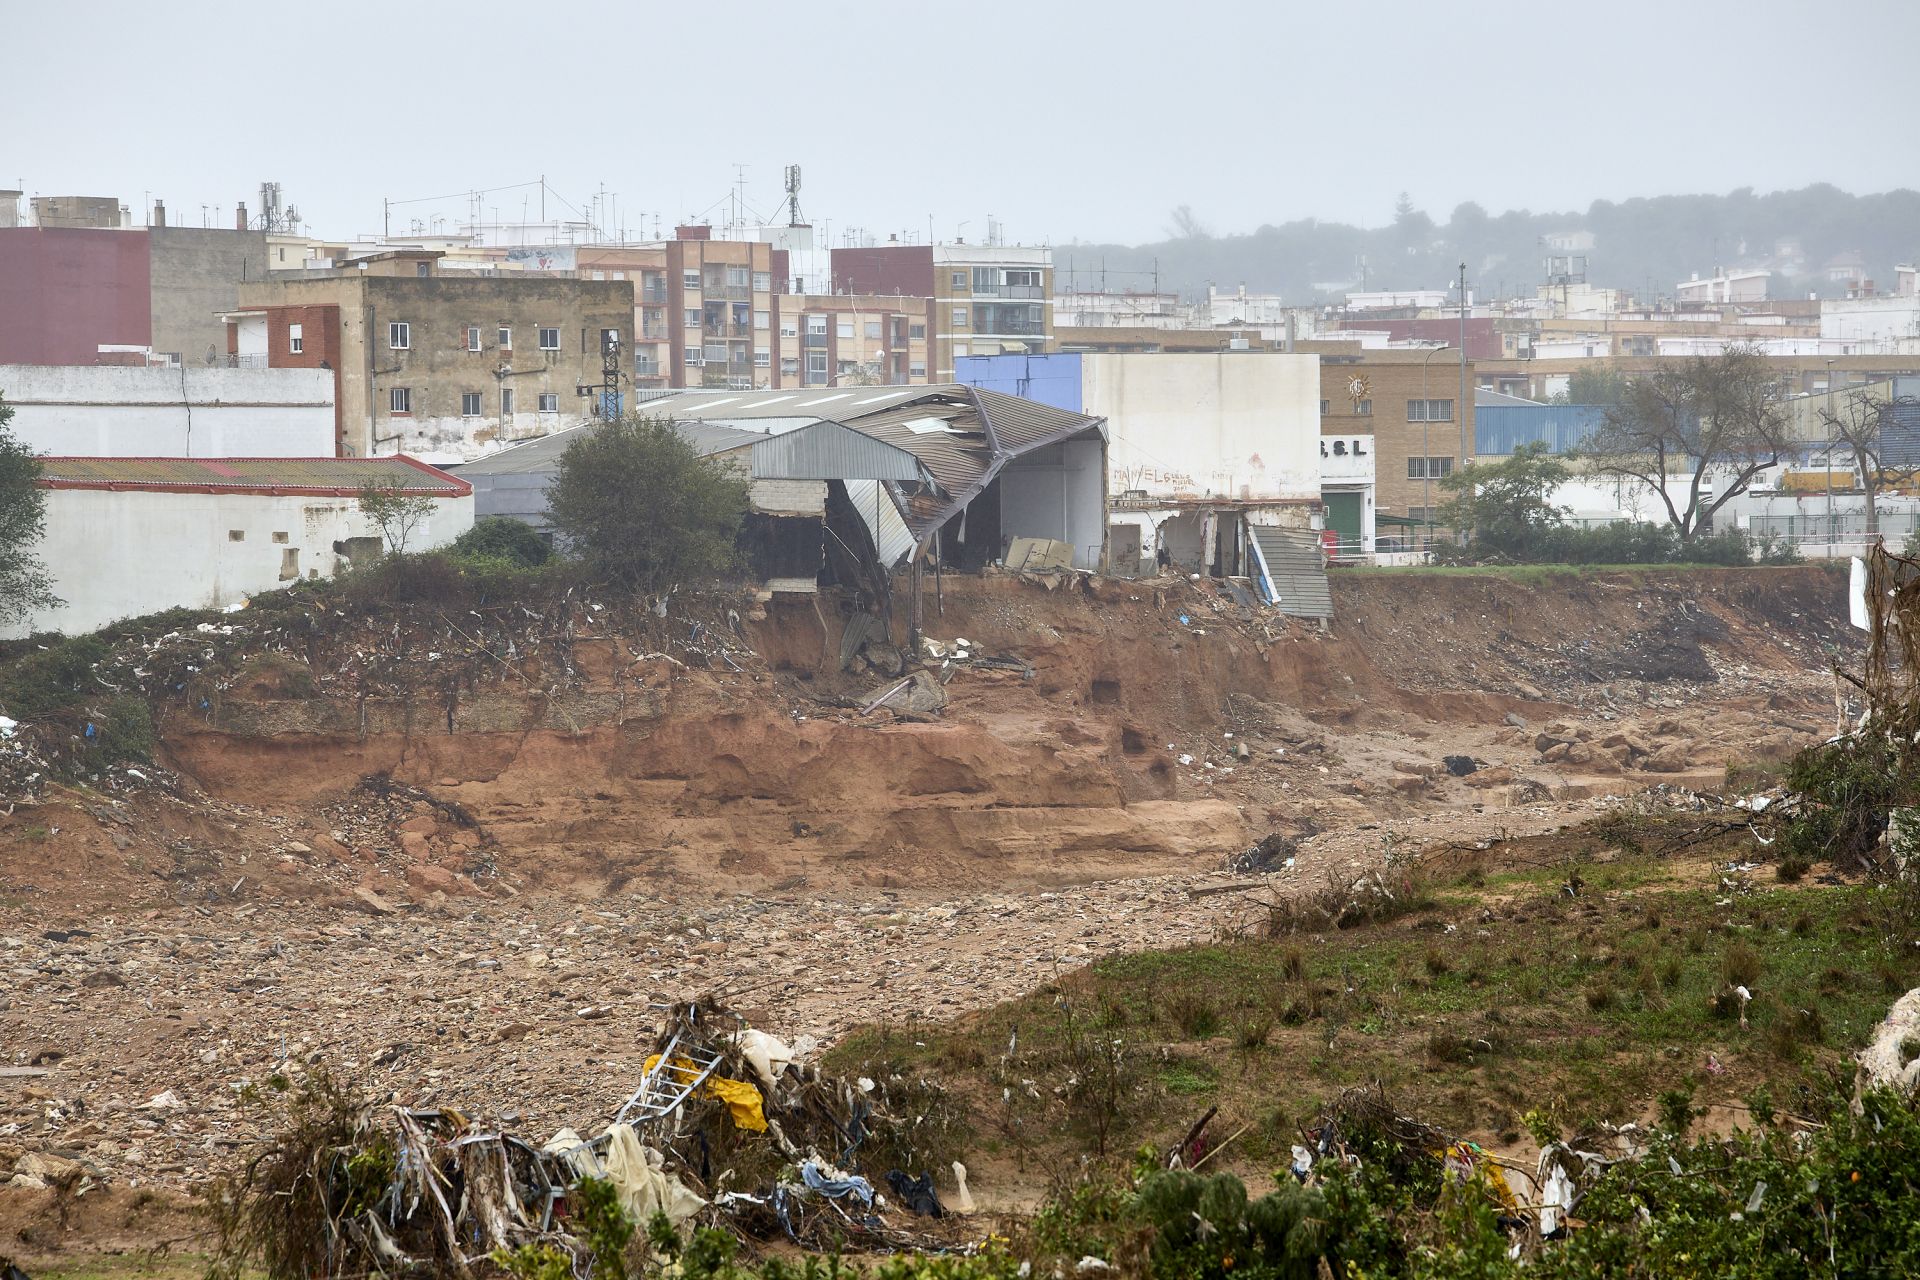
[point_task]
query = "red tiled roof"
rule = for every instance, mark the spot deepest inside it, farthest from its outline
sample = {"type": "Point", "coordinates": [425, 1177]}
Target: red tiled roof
{"type": "Point", "coordinates": [315, 477]}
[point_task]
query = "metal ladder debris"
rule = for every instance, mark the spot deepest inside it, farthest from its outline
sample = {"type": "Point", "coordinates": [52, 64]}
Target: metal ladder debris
{"type": "Point", "coordinates": [681, 1069]}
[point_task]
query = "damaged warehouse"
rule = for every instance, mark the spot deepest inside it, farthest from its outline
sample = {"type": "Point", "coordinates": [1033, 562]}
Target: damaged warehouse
{"type": "Point", "coordinates": [849, 485]}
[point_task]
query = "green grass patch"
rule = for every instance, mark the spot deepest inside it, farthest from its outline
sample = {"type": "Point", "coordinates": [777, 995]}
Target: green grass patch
{"type": "Point", "coordinates": [1510, 997]}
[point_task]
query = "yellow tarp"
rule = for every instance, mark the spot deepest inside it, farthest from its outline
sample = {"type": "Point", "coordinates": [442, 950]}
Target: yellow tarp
{"type": "Point", "coordinates": [742, 1099]}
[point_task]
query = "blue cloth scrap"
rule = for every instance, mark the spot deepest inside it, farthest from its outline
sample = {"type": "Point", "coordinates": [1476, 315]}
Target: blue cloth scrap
{"type": "Point", "coordinates": [836, 1188]}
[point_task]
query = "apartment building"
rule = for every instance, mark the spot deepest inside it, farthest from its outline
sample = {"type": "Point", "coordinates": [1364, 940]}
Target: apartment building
{"type": "Point", "coordinates": [447, 366]}
{"type": "Point", "coordinates": [839, 339]}
{"type": "Point", "coordinates": [986, 299]}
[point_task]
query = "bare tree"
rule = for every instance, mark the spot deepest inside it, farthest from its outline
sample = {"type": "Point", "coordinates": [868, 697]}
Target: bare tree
{"type": "Point", "coordinates": [1860, 422]}
{"type": "Point", "coordinates": [1707, 419]}
{"type": "Point", "coordinates": [1186, 225]}
{"type": "Point", "coordinates": [397, 512]}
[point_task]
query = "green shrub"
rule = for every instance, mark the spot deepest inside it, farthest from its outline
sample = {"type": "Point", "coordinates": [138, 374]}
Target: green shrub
{"type": "Point", "coordinates": [503, 538]}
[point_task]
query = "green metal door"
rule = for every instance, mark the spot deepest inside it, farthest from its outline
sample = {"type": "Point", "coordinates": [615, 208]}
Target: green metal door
{"type": "Point", "coordinates": [1344, 518]}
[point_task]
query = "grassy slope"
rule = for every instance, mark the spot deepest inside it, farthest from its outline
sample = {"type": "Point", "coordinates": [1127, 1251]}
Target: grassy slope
{"type": "Point", "coordinates": [1505, 995]}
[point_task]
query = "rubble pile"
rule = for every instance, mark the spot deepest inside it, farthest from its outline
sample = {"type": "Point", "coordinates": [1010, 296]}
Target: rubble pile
{"type": "Point", "coordinates": [728, 1127]}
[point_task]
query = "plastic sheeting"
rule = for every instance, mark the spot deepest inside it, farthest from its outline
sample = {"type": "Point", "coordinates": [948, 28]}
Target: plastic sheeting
{"type": "Point", "coordinates": [645, 1188]}
{"type": "Point", "coordinates": [742, 1099]}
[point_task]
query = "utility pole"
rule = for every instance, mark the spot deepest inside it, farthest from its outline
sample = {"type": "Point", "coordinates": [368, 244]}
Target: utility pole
{"type": "Point", "coordinates": [386, 218]}
{"type": "Point", "coordinates": [1466, 445]}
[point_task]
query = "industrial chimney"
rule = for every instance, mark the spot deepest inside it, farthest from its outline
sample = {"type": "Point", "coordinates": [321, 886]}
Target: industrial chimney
{"type": "Point", "coordinates": [159, 213]}
{"type": "Point", "coordinates": [240, 216]}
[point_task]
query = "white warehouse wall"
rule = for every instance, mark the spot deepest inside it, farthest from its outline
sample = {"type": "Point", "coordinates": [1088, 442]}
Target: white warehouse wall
{"type": "Point", "coordinates": [181, 411]}
{"type": "Point", "coordinates": [1242, 425]}
{"type": "Point", "coordinates": [117, 554]}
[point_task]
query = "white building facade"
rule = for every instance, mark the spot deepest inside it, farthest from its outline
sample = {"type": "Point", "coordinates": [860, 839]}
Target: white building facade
{"type": "Point", "coordinates": [171, 411]}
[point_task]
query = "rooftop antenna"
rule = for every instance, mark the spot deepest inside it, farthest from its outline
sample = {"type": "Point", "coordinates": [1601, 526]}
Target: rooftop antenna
{"type": "Point", "coordinates": [793, 196]}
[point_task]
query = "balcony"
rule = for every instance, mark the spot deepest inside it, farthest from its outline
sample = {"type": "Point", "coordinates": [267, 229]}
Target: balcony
{"type": "Point", "coordinates": [654, 293]}
{"type": "Point", "coordinates": [1022, 291]}
{"type": "Point", "coordinates": [729, 330]}
{"type": "Point", "coordinates": [714, 291]}
{"type": "Point", "coordinates": [815, 340]}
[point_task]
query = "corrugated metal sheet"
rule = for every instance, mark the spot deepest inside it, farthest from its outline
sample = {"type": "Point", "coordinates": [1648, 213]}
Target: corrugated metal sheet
{"type": "Point", "coordinates": [829, 451]}
{"type": "Point", "coordinates": [1298, 571]}
{"type": "Point", "coordinates": [1499, 429]}
{"type": "Point", "coordinates": [331, 475]}
{"type": "Point", "coordinates": [1027, 424]}
{"type": "Point", "coordinates": [891, 537]}
{"type": "Point", "coordinates": [543, 455]}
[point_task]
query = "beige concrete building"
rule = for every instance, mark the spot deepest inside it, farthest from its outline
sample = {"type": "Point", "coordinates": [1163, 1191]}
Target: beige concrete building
{"type": "Point", "coordinates": [987, 299]}
{"type": "Point", "coordinates": [1407, 401]}
{"type": "Point", "coordinates": [449, 367]}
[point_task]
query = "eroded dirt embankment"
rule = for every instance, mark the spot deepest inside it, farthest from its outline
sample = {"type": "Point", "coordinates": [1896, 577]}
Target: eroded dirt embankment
{"type": "Point", "coordinates": [1159, 728]}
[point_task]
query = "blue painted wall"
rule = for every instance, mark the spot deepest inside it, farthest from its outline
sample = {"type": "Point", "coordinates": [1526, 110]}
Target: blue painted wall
{"type": "Point", "coordinates": [1048, 379]}
{"type": "Point", "coordinates": [1502, 428]}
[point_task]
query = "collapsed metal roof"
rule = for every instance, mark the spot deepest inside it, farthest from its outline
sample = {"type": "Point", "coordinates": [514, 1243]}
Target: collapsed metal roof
{"type": "Point", "coordinates": [313, 477]}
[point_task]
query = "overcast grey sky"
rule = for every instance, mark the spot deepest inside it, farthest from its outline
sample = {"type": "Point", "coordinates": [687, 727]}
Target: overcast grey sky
{"type": "Point", "coordinates": [1064, 120]}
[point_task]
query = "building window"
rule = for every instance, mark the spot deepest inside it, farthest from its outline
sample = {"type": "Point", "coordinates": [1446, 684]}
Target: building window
{"type": "Point", "coordinates": [1363, 409]}
{"type": "Point", "coordinates": [280, 535]}
{"type": "Point", "coordinates": [692, 317]}
{"type": "Point", "coordinates": [817, 325]}
{"type": "Point", "coordinates": [470, 404]}
{"type": "Point", "coordinates": [873, 330]}
{"type": "Point", "coordinates": [296, 343]}
{"type": "Point", "coordinates": [762, 358]}
{"type": "Point", "coordinates": [399, 335]}
{"type": "Point", "coordinates": [789, 366]}
{"type": "Point", "coordinates": [236, 535]}
{"type": "Point", "coordinates": [738, 277]}
{"type": "Point", "coordinates": [959, 279]}
{"type": "Point", "coordinates": [690, 279]}
{"type": "Point", "coordinates": [693, 357]}
{"type": "Point", "coordinates": [506, 402]}
{"type": "Point", "coordinates": [1326, 407]}
{"type": "Point", "coordinates": [1429, 468]}
{"type": "Point", "coordinates": [961, 349]}
{"type": "Point", "coordinates": [763, 319]}
{"type": "Point", "coordinates": [789, 326]}
{"type": "Point", "coordinates": [918, 369]}
{"type": "Point", "coordinates": [843, 329]}
{"type": "Point", "coordinates": [763, 282]}
{"type": "Point", "coordinates": [289, 564]}
{"type": "Point", "coordinates": [1024, 283]}
{"type": "Point", "coordinates": [817, 362]}
{"type": "Point", "coordinates": [916, 332]}
{"type": "Point", "coordinates": [399, 400]}
{"type": "Point", "coordinates": [959, 317]}
{"type": "Point", "coordinates": [506, 338]}
{"type": "Point", "coordinates": [473, 337]}
{"type": "Point", "coordinates": [1429, 411]}
{"type": "Point", "coordinates": [549, 339]}
{"type": "Point", "coordinates": [986, 281]}
{"type": "Point", "coordinates": [549, 402]}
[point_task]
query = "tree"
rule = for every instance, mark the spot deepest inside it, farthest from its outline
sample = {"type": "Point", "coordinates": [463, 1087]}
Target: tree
{"type": "Point", "coordinates": [1504, 506]}
{"type": "Point", "coordinates": [1603, 384]}
{"type": "Point", "coordinates": [643, 508]}
{"type": "Point", "coordinates": [25, 585]}
{"type": "Point", "coordinates": [397, 512]}
{"type": "Point", "coordinates": [1186, 225]}
{"type": "Point", "coordinates": [504, 538]}
{"type": "Point", "coordinates": [1714, 419]}
{"type": "Point", "coordinates": [1860, 421]}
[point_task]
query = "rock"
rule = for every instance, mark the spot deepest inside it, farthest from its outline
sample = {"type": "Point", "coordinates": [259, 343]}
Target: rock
{"type": "Point", "coordinates": [1409, 783]}
{"type": "Point", "coordinates": [1517, 720]}
{"type": "Point", "coordinates": [513, 1031]}
{"type": "Point", "coordinates": [1415, 768]}
{"type": "Point", "coordinates": [1579, 753]}
{"type": "Point", "coordinates": [103, 978]}
{"type": "Point", "coordinates": [421, 824]}
{"type": "Point", "coordinates": [1497, 776]}
{"type": "Point", "coordinates": [1459, 766]}
{"type": "Point", "coordinates": [413, 844]}
{"type": "Point", "coordinates": [1556, 752]}
{"type": "Point", "coordinates": [425, 877]}
{"type": "Point", "coordinates": [923, 695]}
{"type": "Point", "coordinates": [713, 947]}
{"type": "Point", "coordinates": [1613, 740]}
{"type": "Point", "coordinates": [50, 1170]}
{"type": "Point", "coordinates": [374, 902]}
{"type": "Point", "coordinates": [1674, 757]}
